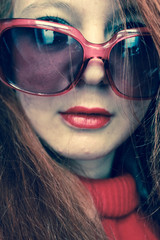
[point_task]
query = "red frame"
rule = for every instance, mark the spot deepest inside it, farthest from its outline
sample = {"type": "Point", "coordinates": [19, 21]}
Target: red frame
{"type": "Point", "coordinates": [91, 50]}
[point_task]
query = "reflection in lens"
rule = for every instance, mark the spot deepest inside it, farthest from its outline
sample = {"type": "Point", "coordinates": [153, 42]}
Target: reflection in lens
{"type": "Point", "coordinates": [134, 67]}
{"type": "Point", "coordinates": [40, 63]}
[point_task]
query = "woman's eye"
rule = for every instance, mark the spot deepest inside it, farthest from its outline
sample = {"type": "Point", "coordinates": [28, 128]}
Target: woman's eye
{"type": "Point", "coordinates": [48, 37]}
{"type": "Point", "coordinates": [45, 36]}
{"type": "Point", "coordinates": [131, 46]}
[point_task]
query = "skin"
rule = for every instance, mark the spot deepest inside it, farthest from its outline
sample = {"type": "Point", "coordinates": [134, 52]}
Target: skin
{"type": "Point", "coordinates": [93, 150]}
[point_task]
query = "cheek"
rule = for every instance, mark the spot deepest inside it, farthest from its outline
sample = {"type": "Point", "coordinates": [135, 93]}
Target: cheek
{"type": "Point", "coordinates": [139, 108]}
{"type": "Point", "coordinates": [133, 112]}
{"type": "Point", "coordinates": [37, 109]}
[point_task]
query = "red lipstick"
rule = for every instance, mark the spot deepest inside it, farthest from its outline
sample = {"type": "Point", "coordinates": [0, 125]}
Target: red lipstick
{"type": "Point", "coordinates": [86, 118]}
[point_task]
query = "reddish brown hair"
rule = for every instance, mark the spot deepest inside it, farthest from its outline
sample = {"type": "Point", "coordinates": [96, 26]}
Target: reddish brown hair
{"type": "Point", "coordinates": [39, 199]}
{"type": "Point", "coordinates": [150, 10]}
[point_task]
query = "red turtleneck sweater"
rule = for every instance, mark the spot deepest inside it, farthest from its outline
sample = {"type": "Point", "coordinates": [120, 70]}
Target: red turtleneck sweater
{"type": "Point", "coordinates": [117, 203]}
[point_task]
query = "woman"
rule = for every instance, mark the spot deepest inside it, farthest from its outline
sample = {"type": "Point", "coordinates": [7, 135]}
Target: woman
{"type": "Point", "coordinates": [72, 118]}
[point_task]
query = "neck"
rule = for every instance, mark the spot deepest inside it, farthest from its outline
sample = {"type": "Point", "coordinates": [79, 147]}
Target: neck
{"type": "Point", "coordinates": [96, 168]}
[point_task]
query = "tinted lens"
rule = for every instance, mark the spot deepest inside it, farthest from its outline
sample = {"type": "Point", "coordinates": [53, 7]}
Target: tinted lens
{"type": "Point", "coordinates": [39, 60]}
{"type": "Point", "coordinates": [134, 67]}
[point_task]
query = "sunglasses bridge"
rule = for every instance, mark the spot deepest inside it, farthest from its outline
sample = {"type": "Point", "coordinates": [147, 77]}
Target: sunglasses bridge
{"type": "Point", "coordinates": [96, 51]}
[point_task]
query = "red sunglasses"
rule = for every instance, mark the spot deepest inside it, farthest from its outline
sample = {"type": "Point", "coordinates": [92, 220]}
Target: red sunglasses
{"type": "Point", "coordinates": [47, 59]}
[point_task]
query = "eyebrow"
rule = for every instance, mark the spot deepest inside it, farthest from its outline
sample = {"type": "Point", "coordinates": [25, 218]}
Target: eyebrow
{"type": "Point", "coordinates": [131, 12]}
{"type": "Point", "coordinates": [70, 10]}
{"type": "Point", "coordinates": [32, 7]}
{"type": "Point", "coordinates": [52, 3]}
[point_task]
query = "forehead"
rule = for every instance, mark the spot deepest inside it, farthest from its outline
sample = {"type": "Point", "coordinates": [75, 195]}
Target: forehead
{"type": "Point", "coordinates": [23, 8]}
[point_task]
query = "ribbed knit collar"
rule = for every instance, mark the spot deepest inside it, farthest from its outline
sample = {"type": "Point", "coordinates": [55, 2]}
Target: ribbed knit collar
{"type": "Point", "coordinates": [114, 197]}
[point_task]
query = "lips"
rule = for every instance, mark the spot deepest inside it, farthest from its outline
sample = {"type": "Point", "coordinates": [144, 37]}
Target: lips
{"type": "Point", "coordinates": [86, 118]}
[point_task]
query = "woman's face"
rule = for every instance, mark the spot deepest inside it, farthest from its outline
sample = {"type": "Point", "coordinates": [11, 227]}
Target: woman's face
{"type": "Point", "coordinates": [90, 121]}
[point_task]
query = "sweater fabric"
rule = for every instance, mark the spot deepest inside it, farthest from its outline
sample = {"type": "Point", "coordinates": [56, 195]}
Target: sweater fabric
{"type": "Point", "coordinates": [117, 202]}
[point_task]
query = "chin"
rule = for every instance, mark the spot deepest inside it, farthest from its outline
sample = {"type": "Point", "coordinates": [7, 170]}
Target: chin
{"type": "Point", "coordinates": [83, 155]}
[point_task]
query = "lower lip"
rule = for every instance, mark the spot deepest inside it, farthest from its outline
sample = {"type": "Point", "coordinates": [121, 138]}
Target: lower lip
{"type": "Point", "coordinates": [86, 121]}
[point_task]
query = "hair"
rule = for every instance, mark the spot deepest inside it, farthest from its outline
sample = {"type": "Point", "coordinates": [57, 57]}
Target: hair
{"type": "Point", "coordinates": [39, 199]}
{"type": "Point", "coordinates": [150, 10]}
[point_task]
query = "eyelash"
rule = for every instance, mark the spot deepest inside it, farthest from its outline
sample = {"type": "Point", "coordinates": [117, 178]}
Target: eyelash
{"type": "Point", "coordinates": [128, 25]}
{"type": "Point", "coordinates": [54, 19]}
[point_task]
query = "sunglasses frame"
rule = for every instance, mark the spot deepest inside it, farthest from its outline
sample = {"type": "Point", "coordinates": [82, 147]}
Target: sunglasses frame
{"type": "Point", "coordinates": [90, 50]}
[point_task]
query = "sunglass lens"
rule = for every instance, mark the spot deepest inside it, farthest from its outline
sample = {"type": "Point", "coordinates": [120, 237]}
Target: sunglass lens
{"type": "Point", "coordinates": [134, 67]}
{"type": "Point", "coordinates": [40, 60]}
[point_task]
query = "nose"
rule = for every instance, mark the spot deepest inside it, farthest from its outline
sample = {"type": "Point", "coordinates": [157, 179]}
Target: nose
{"type": "Point", "coordinates": [94, 72]}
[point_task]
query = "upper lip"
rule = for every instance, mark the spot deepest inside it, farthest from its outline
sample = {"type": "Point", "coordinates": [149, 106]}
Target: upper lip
{"type": "Point", "coordinates": [87, 111]}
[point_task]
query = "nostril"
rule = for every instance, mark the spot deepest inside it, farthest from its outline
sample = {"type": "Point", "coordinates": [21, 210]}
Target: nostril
{"type": "Point", "coordinates": [103, 83]}
{"type": "Point", "coordinates": [81, 83]}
